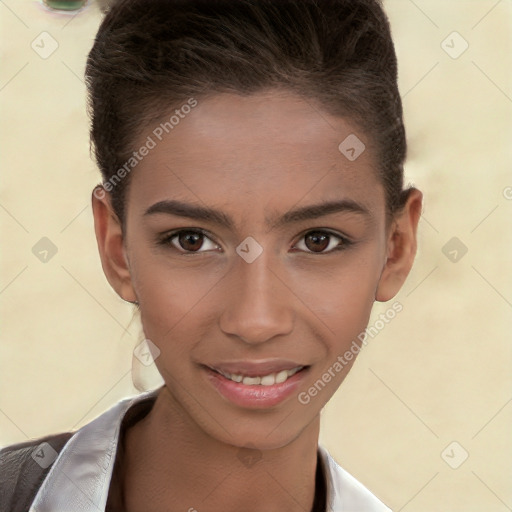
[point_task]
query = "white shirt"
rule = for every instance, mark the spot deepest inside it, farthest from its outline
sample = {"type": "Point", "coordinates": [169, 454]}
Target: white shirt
{"type": "Point", "coordinates": [80, 476]}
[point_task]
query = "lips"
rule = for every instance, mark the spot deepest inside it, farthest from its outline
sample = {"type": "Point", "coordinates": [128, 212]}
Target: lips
{"type": "Point", "coordinates": [261, 390]}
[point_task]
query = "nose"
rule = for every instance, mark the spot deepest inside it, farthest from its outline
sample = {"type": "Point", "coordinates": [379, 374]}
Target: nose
{"type": "Point", "coordinates": [259, 304]}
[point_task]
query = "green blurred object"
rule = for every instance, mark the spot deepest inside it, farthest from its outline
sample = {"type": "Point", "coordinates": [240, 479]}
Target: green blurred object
{"type": "Point", "coordinates": [65, 5]}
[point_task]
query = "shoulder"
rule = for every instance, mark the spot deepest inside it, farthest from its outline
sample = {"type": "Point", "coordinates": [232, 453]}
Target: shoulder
{"type": "Point", "coordinates": [52, 471]}
{"type": "Point", "coordinates": [23, 467]}
{"type": "Point", "coordinates": [345, 492]}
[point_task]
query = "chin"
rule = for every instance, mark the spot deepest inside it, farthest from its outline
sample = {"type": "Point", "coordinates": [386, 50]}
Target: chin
{"type": "Point", "coordinates": [271, 433]}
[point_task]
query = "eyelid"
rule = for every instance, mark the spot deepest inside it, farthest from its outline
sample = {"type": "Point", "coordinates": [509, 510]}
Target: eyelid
{"type": "Point", "coordinates": [328, 231]}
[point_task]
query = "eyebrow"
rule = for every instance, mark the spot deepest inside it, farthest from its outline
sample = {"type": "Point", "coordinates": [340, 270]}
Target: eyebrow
{"type": "Point", "coordinates": [196, 212]}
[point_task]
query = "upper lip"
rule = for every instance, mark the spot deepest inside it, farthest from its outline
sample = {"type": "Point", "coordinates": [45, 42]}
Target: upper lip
{"type": "Point", "coordinates": [255, 368]}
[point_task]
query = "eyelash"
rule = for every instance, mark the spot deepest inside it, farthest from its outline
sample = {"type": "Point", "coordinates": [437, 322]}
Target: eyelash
{"type": "Point", "coordinates": [167, 240]}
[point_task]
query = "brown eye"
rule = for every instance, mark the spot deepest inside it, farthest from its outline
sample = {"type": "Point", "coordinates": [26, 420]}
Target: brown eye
{"type": "Point", "coordinates": [189, 241]}
{"type": "Point", "coordinates": [319, 241]}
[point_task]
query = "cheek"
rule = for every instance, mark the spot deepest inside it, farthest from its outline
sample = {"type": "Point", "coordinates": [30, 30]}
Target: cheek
{"type": "Point", "coordinates": [175, 300]}
{"type": "Point", "coordinates": [344, 307]}
{"type": "Point", "coordinates": [342, 293]}
{"type": "Point", "coordinates": [343, 300]}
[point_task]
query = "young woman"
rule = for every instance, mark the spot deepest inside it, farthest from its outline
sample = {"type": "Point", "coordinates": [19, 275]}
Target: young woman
{"type": "Point", "coordinates": [252, 207]}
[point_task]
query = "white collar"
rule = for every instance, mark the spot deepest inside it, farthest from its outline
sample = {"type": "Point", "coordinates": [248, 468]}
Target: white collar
{"type": "Point", "coordinates": [80, 476]}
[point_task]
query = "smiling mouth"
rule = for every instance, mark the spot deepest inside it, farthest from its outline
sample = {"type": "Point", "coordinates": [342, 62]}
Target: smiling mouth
{"type": "Point", "coordinates": [263, 380]}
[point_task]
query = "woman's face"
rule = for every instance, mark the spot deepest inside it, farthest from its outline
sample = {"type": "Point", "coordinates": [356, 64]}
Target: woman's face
{"type": "Point", "coordinates": [276, 281]}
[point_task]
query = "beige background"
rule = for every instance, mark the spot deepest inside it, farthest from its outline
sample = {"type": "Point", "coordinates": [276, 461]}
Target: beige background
{"type": "Point", "coordinates": [439, 372]}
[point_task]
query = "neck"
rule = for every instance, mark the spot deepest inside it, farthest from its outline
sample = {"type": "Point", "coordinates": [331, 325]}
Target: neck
{"type": "Point", "coordinates": [173, 464]}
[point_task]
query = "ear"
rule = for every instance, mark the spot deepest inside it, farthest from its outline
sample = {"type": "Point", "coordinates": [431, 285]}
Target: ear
{"type": "Point", "coordinates": [109, 236]}
{"type": "Point", "coordinates": [401, 247]}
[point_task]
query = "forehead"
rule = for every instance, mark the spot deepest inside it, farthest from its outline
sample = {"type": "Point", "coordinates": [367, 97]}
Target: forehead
{"type": "Point", "coordinates": [249, 154]}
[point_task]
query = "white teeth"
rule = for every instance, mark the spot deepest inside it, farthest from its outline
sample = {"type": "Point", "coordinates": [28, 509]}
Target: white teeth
{"type": "Point", "coordinates": [293, 371]}
{"type": "Point", "coordinates": [265, 380]}
{"type": "Point", "coordinates": [251, 380]}
{"type": "Point", "coordinates": [281, 376]}
{"type": "Point", "coordinates": [268, 380]}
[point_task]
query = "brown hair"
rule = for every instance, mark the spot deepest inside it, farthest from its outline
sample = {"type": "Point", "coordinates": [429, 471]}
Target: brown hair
{"type": "Point", "coordinates": [151, 56]}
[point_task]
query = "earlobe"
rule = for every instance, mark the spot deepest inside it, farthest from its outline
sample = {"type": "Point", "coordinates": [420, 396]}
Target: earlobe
{"type": "Point", "coordinates": [109, 236]}
{"type": "Point", "coordinates": [401, 248]}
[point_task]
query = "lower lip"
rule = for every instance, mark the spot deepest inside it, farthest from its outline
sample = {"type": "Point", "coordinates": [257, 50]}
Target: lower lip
{"type": "Point", "coordinates": [254, 396]}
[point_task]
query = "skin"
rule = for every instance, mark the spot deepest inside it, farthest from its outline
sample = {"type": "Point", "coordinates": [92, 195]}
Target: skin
{"type": "Point", "coordinates": [250, 157]}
